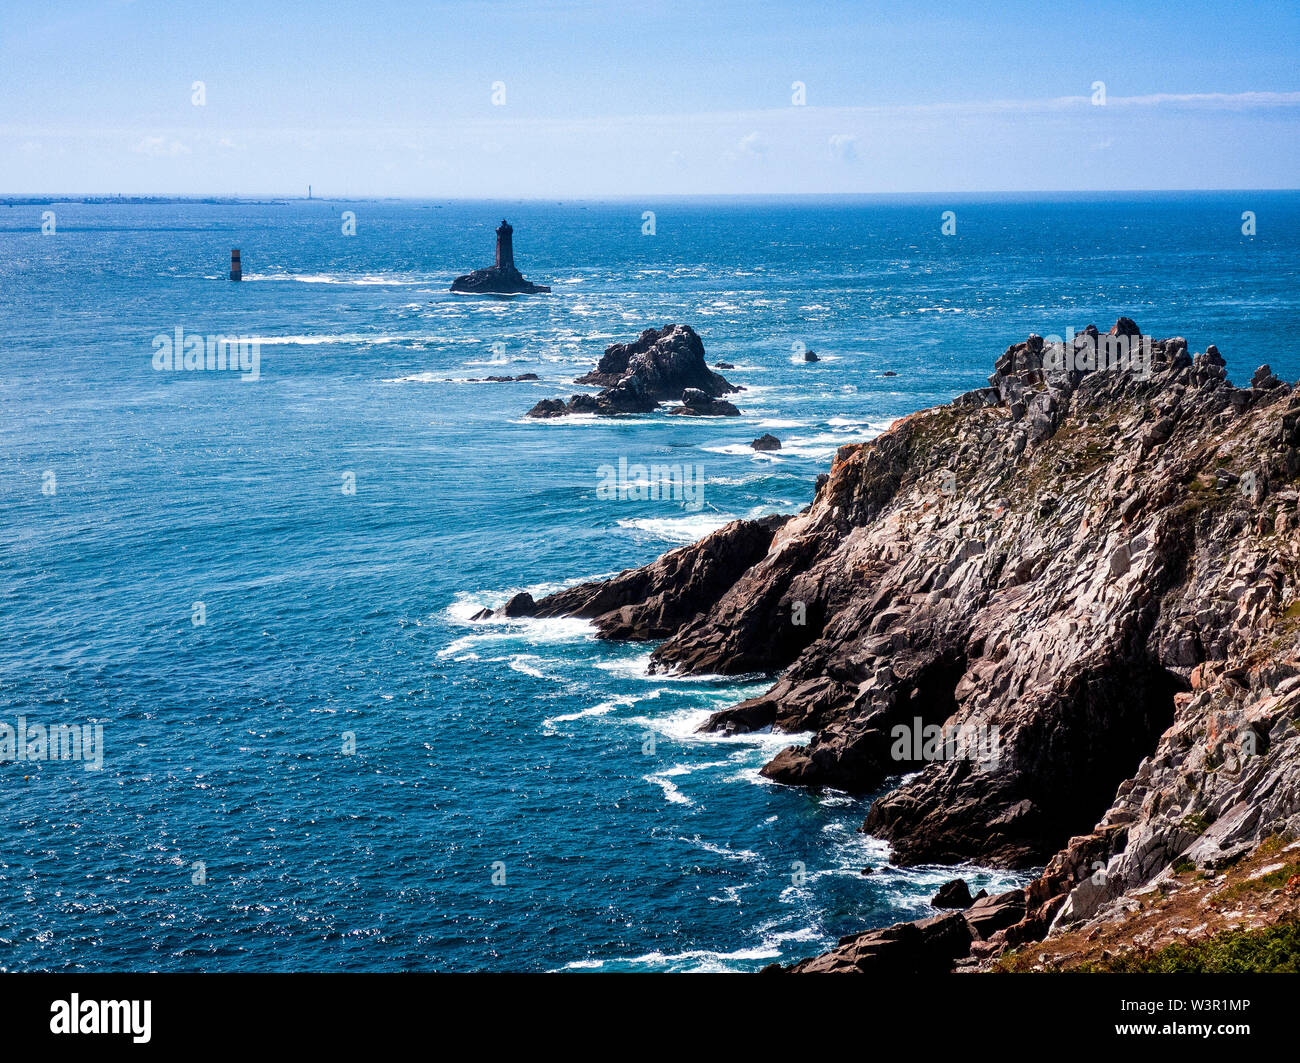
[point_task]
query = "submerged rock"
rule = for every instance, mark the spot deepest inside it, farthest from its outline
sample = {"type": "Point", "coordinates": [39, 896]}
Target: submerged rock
{"type": "Point", "coordinates": [697, 404]}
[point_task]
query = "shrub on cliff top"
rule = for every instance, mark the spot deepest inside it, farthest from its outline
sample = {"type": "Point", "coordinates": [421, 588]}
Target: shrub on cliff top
{"type": "Point", "coordinates": [1271, 950]}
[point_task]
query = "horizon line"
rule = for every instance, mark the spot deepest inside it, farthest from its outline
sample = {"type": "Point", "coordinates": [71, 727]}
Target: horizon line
{"type": "Point", "coordinates": [11, 198]}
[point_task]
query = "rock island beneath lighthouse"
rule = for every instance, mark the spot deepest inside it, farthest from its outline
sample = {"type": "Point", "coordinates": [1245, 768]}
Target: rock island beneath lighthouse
{"type": "Point", "coordinates": [500, 278]}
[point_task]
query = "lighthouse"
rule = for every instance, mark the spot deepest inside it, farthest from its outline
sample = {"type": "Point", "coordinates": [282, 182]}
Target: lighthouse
{"type": "Point", "coordinates": [505, 246]}
{"type": "Point", "coordinates": [502, 277]}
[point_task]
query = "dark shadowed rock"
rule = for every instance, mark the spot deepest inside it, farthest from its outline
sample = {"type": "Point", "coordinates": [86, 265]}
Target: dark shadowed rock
{"type": "Point", "coordinates": [493, 281]}
{"type": "Point", "coordinates": [926, 946]}
{"type": "Point", "coordinates": [549, 408]}
{"type": "Point", "coordinates": [696, 403]}
{"type": "Point", "coordinates": [1264, 378]}
{"type": "Point", "coordinates": [767, 441]}
{"type": "Point", "coordinates": [661, 365]}
{"type": "Point", "coordinates": [521, 604]}
{"type": "Point", "coordinates": [990, 914]}
{"type": "Point", "coordinates": [954, 894]}
{"type": "Point", "coordinates": [811, 356]}
{"type": "Point", "coordinates": [654, 602]}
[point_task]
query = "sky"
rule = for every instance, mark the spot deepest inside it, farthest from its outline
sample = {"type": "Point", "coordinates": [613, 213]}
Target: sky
{"type": "Point", "coordinates": [581, 98]}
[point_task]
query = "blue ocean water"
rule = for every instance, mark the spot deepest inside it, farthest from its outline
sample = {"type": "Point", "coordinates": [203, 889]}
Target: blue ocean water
{"type": "Point", "coordinates": [503, 807]}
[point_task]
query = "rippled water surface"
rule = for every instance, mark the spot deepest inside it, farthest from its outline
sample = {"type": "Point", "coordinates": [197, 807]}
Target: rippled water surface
{"type": "Point", "coordinates": [228, 828]}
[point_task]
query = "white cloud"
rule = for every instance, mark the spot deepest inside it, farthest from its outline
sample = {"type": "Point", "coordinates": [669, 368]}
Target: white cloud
{"type": "Point", "coordinates": [999, 145]}
{"type": "Point", "coordinates": [160, 147]}
{"type": "Point", "coordinates": [844, 146]}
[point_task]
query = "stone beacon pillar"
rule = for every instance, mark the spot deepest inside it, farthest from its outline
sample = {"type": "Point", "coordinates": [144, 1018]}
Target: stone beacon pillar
{"type": "Point", "coordinates": [505, 246]}
{"type": "Point", "coordinates": [236, 272]}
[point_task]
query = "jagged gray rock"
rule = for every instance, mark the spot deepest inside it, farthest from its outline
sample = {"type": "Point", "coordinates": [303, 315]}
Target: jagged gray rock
{"type": "Point", "coordinates": [1095, 567]}
{"type": "Point", "coordinates": [661, 365]}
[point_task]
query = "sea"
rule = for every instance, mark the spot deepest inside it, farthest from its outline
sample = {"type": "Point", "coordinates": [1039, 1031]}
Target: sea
{"type": "Point", "coordinates": [250, 592]}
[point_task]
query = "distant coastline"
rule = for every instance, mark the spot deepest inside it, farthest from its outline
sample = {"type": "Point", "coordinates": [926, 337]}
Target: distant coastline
{"type": "Point", "coordinates": [987, 196]}
{"type": "Point", "coordinates": [34, 201]}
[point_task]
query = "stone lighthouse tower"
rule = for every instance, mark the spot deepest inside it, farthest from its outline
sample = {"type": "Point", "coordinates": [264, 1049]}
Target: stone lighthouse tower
{"type": "Point", "coordinates": [501, 278]}
{"type": "Point", "coordinates": [505, 246]}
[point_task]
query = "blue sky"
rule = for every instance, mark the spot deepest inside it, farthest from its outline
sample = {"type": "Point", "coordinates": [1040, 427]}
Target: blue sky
{"type": "Point", "coordinates": [635, 98]}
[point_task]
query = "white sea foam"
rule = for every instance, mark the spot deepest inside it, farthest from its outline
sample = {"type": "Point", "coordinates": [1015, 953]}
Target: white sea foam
{"type": "Point", "coordinates": [364, 279]}
{"type": "Point", "coordinates": [704, 961]}
{"type": "Point", "coordinates": [531, 630]}
{"type": "Point", "coordinates": [637, 667]}
{"type": "Point", "coordinates": [825, 444]}
{"type": "Point", "coordinates": [466, 604]}
{"type": "Point", "coordinates": [588, 420]}
{"type": "Point", "coordinates": [524, 662]}
{"type": "Point", "coordinates": [678, 529]}
{"type": "Point", "coordinates": [671, 793]}
{"type": "Point", "coordinates": [342, 338]}
{"type": "Point", "coordinates": [684, 726]}
{"type": "Point", "coordinates": [747, 856]}
{"type": "Point", "coordinates": [603, 708]}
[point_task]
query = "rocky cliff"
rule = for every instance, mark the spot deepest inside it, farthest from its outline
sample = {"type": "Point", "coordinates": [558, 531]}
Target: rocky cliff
{"type": "Point", "coordinates": [1090, 565]}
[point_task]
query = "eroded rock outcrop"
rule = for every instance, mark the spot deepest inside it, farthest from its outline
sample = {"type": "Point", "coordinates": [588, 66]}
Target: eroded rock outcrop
{"type": "Point", "coordinates": [655, 601]}
{"type": "Point", "coordinates": [1091, 565]}
{"type": "Point", "coordinates": [661, 365]}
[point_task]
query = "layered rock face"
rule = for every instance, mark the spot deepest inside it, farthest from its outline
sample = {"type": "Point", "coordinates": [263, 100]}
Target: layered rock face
{"type": "Point", "coordinates": [1091, 564]}
{"type": "Point", "coordinates": [661, 365]}
{"type": "Point", "coordinates": [653, 602]}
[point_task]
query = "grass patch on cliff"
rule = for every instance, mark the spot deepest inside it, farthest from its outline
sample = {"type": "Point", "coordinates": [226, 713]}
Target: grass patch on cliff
{"type": "Point", "coordinates": [1272, 881]}
{"type": "Point", "coordinates": [1274, 843]}
{"type": "Point", "coordinates": [1271, 950]}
